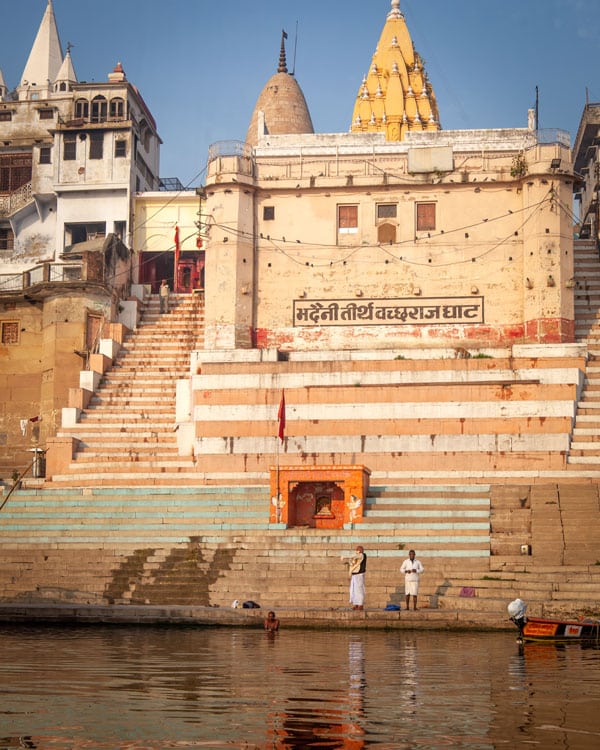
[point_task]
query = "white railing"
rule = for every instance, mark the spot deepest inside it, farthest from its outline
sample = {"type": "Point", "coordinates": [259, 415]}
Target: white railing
{"type": "Point", "coordinates": [11, 282]}
{"type": "Point", "coordinates": [45, 273]}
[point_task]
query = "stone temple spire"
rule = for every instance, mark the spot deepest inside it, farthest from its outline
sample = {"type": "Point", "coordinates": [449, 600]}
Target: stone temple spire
{"type": "Point", "coordinates": [395, 97]}
{"type": "Point", "coordinates": [281, 108]}
{"type": "Point", "coordinates": [66, 77]}
{"type": "Point", "coordinates": [45, 60]}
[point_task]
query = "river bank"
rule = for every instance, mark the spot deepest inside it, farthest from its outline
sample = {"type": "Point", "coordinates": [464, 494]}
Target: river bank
{"type": "Point", "coordinates": [332, 618]}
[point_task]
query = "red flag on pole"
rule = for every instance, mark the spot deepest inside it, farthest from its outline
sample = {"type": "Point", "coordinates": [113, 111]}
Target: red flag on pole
{"type": "Point", "coordinates": [281, 416]}
{"type": "Point", "coordinates": [176, 264]}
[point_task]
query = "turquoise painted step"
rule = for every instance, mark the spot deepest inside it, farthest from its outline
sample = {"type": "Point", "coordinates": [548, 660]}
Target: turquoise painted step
{"type": "Point", "coordinates": [175, 491]}
{"type": "Point", "coordinates": [133, 505]}
{"type": "Point", "coordinates": [427, 501]}
{"type": "Point", "coordinates": [434, 489]}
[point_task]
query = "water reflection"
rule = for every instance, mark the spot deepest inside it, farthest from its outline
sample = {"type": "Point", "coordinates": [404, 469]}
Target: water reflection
{"type": "Point", "coordinates": [214, 688]}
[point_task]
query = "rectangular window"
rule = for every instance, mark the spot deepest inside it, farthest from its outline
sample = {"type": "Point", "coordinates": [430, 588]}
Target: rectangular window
{"type": "Point", "coordinates": [10, 332]}
{"type": "Point", "coordinates": [5, 116]}
{"type": "Point", "coordinates": [45, 155]}
{"type": "Point", "coordinates": [120, 148]}
{"type": "Point", "coordinates": [348, 219]}
{"type": "Point", "coordinates": [387, 210]}
{"type": "Point", "coordinates": [70, 147]}
{"type": "Point", "coordinates": [46, 114]}
{"type": "Point", "coordinates": [96, 144]}
{"type": "Point", "coordinates": [119, 229]}
{"type": "Point", "coordinates": [425, 217]}
{"type": "Point", "coordinates": [7, 238]}
{"type": "Point", "coordinates": [268, 213]}
{"type": "Point", "coordinates": [117, 108]}
{"type": "Point", "coordinates": [15, 171]}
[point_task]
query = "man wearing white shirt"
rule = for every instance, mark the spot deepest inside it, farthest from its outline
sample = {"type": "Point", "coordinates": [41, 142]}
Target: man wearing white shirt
{"type": "Point", "coordinates": [412, 570]}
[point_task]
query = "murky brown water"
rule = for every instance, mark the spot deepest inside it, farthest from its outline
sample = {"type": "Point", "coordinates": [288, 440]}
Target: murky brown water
{"type": "Point", "coordinates": [156, 688]}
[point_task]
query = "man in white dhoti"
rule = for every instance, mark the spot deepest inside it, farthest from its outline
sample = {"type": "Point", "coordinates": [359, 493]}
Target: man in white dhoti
{"type": "Point", "coordinates": [358, 567]}
{"type": "Point", "coordinates": [412, 570]}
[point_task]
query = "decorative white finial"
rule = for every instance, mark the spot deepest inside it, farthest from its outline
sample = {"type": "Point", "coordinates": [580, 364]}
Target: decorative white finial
{"type": "Point", "coordinates": [395, 12]}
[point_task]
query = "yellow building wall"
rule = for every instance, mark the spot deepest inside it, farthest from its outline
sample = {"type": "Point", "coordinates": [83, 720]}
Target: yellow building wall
{"type": "Point", "coordinates": [501, 241]}
{"type": "Point", "coordinates": [37, 372]}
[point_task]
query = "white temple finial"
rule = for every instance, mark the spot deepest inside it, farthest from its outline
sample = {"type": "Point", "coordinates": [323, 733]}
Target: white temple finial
{"type": "Point", "coordinates": [395, 12]}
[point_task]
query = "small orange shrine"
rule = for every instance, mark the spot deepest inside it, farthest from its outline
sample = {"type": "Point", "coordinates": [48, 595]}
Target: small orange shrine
{"type": "Point", "coordinates": [320, 497]}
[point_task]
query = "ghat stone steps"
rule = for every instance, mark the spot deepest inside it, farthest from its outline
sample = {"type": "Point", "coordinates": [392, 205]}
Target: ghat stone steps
{"type": "Point", "coordinates": [153, 543]}
{"type": "Point", "coordinates": [212, 545]}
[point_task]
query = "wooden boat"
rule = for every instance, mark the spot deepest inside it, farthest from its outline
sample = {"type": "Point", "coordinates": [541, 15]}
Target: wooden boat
{"type": "Point", "coordinates": [540, 629]}
{"type": "Point", "coordinates": [550, 630]}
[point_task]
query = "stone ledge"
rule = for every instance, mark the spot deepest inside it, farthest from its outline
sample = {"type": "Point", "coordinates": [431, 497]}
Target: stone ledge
{"type": "Point", "coordinates": [333, 618]}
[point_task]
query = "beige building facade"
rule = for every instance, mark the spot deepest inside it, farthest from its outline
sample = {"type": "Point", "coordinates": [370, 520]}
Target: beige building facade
{"type": "Point", "coordinates": [394, 234]}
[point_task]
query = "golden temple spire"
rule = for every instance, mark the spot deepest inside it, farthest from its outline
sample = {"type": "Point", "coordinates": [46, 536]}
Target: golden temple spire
{"type": "Point", "coordinates": [395, 96]}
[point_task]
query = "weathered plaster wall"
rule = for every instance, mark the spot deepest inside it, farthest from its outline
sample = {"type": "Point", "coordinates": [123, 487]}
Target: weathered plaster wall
{"type": "Point", "coordinates": [37, 372]}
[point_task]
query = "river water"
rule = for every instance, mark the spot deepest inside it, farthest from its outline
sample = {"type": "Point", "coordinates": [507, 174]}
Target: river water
{"type": "Point", "coordinates": [173, 687]}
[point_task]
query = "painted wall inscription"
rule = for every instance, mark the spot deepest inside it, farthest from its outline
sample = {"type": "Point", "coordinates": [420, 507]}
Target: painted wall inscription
{"type": "Point", "coordinates": [393, 311]}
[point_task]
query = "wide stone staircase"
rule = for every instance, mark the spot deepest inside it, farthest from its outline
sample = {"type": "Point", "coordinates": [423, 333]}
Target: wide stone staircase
{"type": "Point", "coordinates": [127, 434]}
{"type": "Point", "coordinates": [211, 545]}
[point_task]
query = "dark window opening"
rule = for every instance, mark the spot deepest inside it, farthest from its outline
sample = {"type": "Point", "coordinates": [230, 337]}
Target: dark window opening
{"type": "Point", "coordinates": [82, 109]}
{"type": "Point", "coordinates": [99, 109]}
{"type": "Point", "coordinates": [69, 147]}
{"type": "Point", "coordinates": [75, 233]}
{"type": "Point", "coordinates": [7, 238]}
{"type": "Point", "coordinates": [45, 155]}
{"type": "Point", "coordinates": [268, 213]}
{"type": "Point", "coordinates": [120, 148]}
{"type": "Point", "coordinates": [96, 145]}
{"type": "Point", "coordinates": [119, 229]}
{"type": "Point", "coordinates": [117, 109]}
{"type": "Point", "coordinates": [386, 210]}
{"type": "Point", "coordinates": [46, 114]}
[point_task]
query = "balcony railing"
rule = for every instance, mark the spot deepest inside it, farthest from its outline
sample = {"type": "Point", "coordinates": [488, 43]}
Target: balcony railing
{"type": "Point", "coordinates": [11, 203]}
{"type": "Point", "coordinates": [45, 273]}
{"type": "Point", "coordinates": [228, 148]}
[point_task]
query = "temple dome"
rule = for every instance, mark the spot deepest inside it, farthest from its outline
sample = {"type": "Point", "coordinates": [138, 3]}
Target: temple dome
{"type": "Point", "coordinates": [395, 96]}
{"type": "Point", "coordinates": [281, 107]}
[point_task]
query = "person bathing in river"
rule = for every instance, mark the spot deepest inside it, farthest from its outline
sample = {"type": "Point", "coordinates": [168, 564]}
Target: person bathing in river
{"type": "Point", "coordinates": [271, 622]}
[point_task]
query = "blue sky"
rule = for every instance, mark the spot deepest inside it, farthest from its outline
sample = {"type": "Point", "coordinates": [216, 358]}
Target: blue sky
{"type": "Point", "coordinates": [200, 64]}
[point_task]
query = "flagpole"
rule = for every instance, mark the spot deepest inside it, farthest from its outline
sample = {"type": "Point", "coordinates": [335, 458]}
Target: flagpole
{"type": "Point", "coordinates": [278, 506]}
{"type": "Point", "coordinates": [176, 261]}
{"type": "Point", "coordinates": [280, 436]}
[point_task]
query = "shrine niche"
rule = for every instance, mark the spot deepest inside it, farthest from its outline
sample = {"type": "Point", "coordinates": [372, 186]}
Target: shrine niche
{"type": "Point", "coordinates": [320, 497]}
